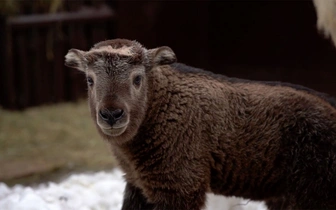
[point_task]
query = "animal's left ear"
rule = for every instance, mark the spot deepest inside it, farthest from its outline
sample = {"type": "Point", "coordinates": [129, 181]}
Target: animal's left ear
{"type": "Point", "coordinates": [161, 56]}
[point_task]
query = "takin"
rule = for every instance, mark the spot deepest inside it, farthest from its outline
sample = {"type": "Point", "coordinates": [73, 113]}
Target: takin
{"type": "Point", "coordinates": [179, 132]}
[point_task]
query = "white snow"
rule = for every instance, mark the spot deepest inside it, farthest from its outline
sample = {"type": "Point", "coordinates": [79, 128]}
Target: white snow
{"type": "Point", "coordinates": [92, 191]}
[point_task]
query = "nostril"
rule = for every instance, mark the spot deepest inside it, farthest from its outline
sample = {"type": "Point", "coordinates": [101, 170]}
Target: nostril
{"type": "Point", "coordinates": [104, 115]}
{"type": "Point", "coordinates": [111, 117]}
{"type": "Point", "coordinates": [117, 114]}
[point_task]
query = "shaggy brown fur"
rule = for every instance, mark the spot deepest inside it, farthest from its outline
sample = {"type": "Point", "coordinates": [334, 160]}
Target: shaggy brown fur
{"type": "Point", "coordinates": [179, 132]}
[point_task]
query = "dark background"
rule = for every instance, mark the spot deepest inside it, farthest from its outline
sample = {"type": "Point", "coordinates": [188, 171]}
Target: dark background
{"type": "Point", "coordinates": [261, 40]}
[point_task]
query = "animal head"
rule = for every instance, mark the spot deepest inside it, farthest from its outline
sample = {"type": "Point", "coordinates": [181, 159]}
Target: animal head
{"type": "Point", "coordinates": [116, 72]}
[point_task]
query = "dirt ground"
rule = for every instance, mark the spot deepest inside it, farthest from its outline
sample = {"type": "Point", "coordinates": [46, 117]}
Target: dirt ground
{"type": "Point", "coordinates": [49, 142]}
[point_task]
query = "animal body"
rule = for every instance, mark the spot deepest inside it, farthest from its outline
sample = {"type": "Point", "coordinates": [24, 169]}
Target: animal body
{"type": "Point", "coordinates": [179, 132]}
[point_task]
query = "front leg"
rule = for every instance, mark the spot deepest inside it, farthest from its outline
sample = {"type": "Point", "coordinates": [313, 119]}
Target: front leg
{"type": "Point", "coordinates": [194, 201]}
{"type": "Point", "coordinates": [134, 199]}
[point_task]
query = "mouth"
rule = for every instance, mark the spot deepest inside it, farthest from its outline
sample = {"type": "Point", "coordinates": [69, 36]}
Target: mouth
{"type": "Point", "coordinates": [113, 131]}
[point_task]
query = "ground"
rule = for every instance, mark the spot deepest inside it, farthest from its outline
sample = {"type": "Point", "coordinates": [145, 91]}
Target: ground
{"type": "Point", "coordinates": [44, 143]}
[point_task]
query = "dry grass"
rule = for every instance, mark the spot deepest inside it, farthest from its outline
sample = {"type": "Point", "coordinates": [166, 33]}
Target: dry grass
{"type": "Point", "coordinates": [50, 139]}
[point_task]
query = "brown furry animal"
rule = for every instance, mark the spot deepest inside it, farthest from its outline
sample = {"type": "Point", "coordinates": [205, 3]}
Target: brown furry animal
{"type": "Point", "coordinates": [179, 132]}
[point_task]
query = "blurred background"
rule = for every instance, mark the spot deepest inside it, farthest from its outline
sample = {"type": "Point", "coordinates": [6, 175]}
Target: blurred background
{"type": "Point", "coordinates": [45, 128]}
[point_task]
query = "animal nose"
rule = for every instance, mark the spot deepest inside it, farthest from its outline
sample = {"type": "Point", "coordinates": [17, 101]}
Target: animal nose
{"type": "Point", "coordinates": [117, 114]}
{"type": "Point", "coordinates": [111, 117]}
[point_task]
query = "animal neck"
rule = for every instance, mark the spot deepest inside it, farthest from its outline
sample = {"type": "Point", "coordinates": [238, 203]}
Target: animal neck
{"type": "Point", "coordinates": [158, 92]}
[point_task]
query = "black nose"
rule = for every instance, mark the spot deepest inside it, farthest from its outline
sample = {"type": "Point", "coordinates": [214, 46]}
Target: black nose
{"type": "Point", "coordinates": [117, 114]}
{"type": "Point", "coordinates": [111, 117]}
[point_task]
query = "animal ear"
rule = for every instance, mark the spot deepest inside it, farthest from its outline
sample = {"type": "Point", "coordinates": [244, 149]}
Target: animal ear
{"type": "Point", "coordinates": [161, 56]}
{"type": "Point", "coordinates": [75, 59]}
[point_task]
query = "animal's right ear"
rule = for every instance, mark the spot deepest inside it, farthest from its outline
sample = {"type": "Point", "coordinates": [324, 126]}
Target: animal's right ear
{"type": "Point", "coordinates": [75, 59]}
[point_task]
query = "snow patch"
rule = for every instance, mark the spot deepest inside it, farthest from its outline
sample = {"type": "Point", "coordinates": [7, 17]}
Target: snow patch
{"type": "Point", "coordinates": [95, 191]}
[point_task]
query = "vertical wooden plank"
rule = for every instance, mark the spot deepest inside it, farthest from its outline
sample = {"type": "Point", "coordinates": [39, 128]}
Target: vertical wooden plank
{"type": "Point", "coordinates": [36, 70]}
{"type": "Point", "coordinates": [22, 68]}
{"type": "Point", "coordinates": [10, 93]}
{"type": "Point", "coordinates": [2, 58]}
{"type": "Point", "coordinates": [30, 65]}
{"type": "Point", "coordinates": [45, 65]}
{"type": "Point", "coordinates": [58, 87]}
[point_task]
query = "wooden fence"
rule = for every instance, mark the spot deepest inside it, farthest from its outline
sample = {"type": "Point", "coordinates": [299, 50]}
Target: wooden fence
{"type": "Point", "coordinates": [33, 49]}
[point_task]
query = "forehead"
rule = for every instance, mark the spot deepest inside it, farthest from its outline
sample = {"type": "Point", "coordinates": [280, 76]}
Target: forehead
{"type": "Point", "coordinates": [110, 64]}
{"type": "Point", "coordinates": [123, 50]}
{"type": "Point", "coordinates": [115, 57]}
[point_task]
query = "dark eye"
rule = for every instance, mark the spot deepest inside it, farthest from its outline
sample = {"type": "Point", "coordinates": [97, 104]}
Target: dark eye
{"type": "Point", "coordinates": [137, 80]}
{"type": "Point", "coordinates": [89, 81]}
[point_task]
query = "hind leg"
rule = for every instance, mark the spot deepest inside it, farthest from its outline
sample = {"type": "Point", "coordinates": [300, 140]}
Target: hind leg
{"type": "Point", "coordinates": [316, 194]}
{"type": "Point", "coordinates": [278, 203]}
{"type": "Point", "coordinates": [300, 202]}
{"type": "Point", "coordinates": [314, 203]}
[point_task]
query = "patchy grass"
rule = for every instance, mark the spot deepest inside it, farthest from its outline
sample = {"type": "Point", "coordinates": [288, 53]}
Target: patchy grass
{"type": "Point", "coordinates": [39, 142]}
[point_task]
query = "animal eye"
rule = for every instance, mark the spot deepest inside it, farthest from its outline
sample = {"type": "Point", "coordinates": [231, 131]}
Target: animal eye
{"type": "Point", "coordinates": [89, 81]}
{"type": "Point", "coordinates": [137, 80]}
